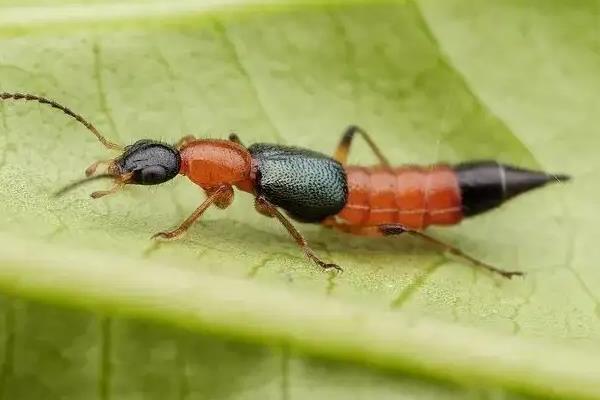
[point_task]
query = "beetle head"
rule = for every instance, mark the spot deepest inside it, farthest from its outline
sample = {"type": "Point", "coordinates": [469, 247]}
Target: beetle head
{"type": "Point", "coordinates": [146, 162]}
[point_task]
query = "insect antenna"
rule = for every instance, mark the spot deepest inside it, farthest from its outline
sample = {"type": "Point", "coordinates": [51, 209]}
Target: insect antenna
{"type": "Point", "coordinates": [30, 97]}
{"type": "Point", "coordinates": [80, 182]}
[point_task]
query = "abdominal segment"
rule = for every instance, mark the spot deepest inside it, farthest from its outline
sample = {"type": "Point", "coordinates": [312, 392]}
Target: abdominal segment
{"type": "Point", "coordinates": [415, 197]}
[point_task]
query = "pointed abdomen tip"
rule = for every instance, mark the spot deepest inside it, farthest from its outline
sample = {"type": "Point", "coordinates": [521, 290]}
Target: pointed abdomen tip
{"type": "Point", "coordinates": [559, 177]}
{"type": "Point", "coordinates": [485, 185]}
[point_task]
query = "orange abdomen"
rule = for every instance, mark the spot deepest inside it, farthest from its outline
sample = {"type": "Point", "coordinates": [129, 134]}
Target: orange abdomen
{"type": "Point", "coordinates": [415, 197]}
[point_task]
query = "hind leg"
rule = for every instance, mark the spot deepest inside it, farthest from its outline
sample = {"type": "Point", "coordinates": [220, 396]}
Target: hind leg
{"type": "Point", "coordinates": [397, 229]}
{"type": "Point", "coordinates": [343, 148]}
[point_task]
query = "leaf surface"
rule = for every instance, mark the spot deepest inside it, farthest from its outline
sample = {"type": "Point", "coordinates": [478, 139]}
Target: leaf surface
{"type": "Point", "coordinates": [431, 82]}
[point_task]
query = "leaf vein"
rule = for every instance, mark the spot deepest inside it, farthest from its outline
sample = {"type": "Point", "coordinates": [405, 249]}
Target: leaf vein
{"type": "Point", "coordinates": [416, 284]}
{"type": "Point", "coordinates": [184, 389]}
{"type": "Point", "coordinates": [9, 346]}
{"type": "Point", "coordinates": [105, 367]}
{"type": "Point", "coordinates": [285, 372]}
{"type": "Point", "coordinates": [421, 20]}
{"type": "Point", "coordinates": [102, 97]}
{"type": "Point", "coordinates": [235, 56]}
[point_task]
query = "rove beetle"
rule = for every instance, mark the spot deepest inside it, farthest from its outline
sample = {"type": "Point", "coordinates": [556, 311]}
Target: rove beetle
{"type": "Point", "coordinates": [312, 187]}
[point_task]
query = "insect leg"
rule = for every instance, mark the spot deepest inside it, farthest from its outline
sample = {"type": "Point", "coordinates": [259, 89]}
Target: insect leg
{"type": "Point", "coordinates": [101, 193]}
{"type": "Point", "coordinates": [343, 148]}
{"type": "Point", "coordinates": [216, 196]}
{"type": "Point", "coordinates": [396, 229]}
{"type": "Point", "coordinates": [225, 197]}
{"type": "Point", "coordinates": [91, 170]}
{"type": "Point", "coordinates": [184, 140]}
{"type": "Point", "coordinates": [235, 139]}
{"type": "Point", "coordinates": [263, 206]}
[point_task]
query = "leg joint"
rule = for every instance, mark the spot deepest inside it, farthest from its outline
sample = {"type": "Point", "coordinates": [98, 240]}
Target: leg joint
{"type": "Point", "coordinates": [393, 229]}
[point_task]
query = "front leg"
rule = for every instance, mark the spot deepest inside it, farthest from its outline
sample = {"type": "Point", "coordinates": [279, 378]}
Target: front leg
{"type": "Point", "coordinates": [220, 196]}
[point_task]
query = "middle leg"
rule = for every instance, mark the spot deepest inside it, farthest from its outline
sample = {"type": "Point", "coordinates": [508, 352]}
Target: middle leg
{"type": "Point", "coordinates": [264, 207]}
{"type": "Point", "coordinates": [233, 137]}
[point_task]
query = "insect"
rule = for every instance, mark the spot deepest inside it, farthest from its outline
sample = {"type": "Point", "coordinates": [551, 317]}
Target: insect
{"type": "Point", "coordinates": [311, 187]}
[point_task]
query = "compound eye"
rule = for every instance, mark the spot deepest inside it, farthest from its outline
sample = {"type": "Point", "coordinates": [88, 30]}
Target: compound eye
{"type": "Point", "coordinates": [153, 175]}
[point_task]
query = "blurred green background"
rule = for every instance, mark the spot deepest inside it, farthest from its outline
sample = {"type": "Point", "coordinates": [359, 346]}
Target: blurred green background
{"type": "Point", "coordinates": [93, 309]}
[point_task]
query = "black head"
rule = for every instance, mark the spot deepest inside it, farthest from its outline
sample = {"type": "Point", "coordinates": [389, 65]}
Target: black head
{"type": "Point", "coordinates": [148, 162]}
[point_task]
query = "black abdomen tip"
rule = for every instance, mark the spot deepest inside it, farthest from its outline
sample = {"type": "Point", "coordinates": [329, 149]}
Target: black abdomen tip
{"type": "Point", "coordinates": [485, 185]}
{"type": "Point", "coordinates": [560, 177]}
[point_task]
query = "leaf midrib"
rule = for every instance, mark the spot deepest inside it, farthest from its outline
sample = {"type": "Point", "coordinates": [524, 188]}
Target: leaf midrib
{"type": "Point", "coordinates": [256, 313]}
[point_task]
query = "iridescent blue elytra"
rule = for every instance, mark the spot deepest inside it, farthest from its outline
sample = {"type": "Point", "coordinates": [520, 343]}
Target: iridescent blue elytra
{"type": "Point", "coordinates": [309, 185]}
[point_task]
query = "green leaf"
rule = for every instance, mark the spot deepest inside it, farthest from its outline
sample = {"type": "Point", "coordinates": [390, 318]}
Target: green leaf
{"type": "Point", "coordinates": [93, 309]}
